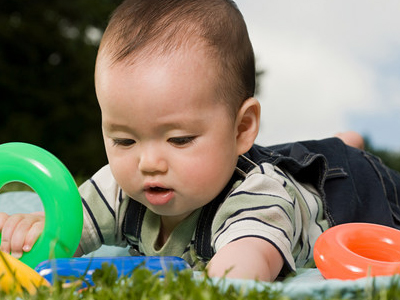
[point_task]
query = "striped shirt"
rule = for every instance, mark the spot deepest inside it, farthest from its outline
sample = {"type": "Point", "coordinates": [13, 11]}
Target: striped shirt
{"type": "Point", "coordinates": [266, 203]}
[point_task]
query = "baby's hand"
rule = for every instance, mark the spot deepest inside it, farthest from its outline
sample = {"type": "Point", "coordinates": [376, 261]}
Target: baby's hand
{"type": "Point", "coordinates": [19, 232]}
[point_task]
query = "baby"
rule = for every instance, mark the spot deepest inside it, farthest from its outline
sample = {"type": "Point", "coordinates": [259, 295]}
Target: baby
{"type": "Point", "coordinates": [175, 83]}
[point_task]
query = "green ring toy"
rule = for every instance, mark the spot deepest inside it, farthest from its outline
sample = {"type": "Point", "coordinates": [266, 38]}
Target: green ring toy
{"type": "Point", "coordinates": [51, 180]}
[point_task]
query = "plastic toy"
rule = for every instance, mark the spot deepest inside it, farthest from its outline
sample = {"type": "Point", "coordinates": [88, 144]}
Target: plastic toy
{"type": "Point", "coordinates": [16, 274]}
{"type": "Point", "coordinates": [356, 250]}
{"type": "Point", "coordinates": [84, 267]}
{"type": "Point", "coordinates": [51, 180]}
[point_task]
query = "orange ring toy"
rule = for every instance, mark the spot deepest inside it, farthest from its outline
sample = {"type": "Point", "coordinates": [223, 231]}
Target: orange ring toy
{"type": "Point", "coordinates": [356, 250]}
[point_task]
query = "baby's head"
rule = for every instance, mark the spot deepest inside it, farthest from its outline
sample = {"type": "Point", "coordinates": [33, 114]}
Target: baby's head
{"type": "Point", "coordinates": [175, 80]}
{"type": "Point", "coordinates": [141, 29]}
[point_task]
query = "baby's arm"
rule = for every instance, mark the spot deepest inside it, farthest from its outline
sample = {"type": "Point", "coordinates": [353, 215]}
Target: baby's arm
{"type": "Point", "coordinates": [247, 258]}
{"type": "Point", "coordinates": [19, 232]}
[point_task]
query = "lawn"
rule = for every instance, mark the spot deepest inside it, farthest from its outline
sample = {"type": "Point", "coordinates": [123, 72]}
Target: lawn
{"type": "Point", "coordinates": [142, 284]}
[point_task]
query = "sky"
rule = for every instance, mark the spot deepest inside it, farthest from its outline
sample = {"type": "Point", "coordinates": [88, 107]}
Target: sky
{"type": "Point", "coordinates": [330, 66]}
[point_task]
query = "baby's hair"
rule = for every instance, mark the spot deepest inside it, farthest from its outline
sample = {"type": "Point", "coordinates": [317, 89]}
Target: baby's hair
{"type": "Point", "coordinates": [139, 28]}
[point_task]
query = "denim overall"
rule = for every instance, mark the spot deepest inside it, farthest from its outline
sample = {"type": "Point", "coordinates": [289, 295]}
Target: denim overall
{"type": "Point", "coordinates": [354, 185]}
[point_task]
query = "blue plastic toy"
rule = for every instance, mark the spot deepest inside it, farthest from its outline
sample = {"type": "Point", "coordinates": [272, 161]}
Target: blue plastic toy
{"type": "Point", "coordinates": [84, 267]}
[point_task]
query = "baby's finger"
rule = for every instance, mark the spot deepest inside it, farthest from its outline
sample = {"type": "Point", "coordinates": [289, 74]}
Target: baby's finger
{"type": "Point", "coordinates": [20, 234]}
{"type": "Point", "coordinates": [32, 236]}
{"type": "Point", "coordinates": [3, 219]}
{"type": "Point", "coordinates": [8, 230]}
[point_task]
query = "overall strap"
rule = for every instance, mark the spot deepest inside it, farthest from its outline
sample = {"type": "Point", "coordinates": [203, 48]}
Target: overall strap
{"type": "Point", "coordinates": [202, 242]}
{"type": "Point", "coordinates": [133, 221]}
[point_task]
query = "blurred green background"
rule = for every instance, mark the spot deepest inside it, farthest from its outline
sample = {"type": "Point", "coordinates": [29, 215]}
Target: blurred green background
{"type": "Point", "coordinates": [47, 56]}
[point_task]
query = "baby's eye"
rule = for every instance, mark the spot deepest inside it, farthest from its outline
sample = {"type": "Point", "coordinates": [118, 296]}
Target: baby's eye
{"type": "Point", "coordinates": [181, 141]}
{"type": "Point", "coordinates": [123, 142]}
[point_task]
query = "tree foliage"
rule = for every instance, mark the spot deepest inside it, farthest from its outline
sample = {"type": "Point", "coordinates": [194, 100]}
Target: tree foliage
{"type": "Point", "coordinates": [47, 55]}
{"type": "Point", "coordinates": [388, 157]}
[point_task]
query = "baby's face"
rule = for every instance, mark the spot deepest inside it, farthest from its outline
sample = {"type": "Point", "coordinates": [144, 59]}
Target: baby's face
{"type": "Point", "coordinates": [170, 143]}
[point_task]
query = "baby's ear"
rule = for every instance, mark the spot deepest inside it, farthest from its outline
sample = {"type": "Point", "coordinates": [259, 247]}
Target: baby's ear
{"type": "Point", "coordinates": [247, 125]}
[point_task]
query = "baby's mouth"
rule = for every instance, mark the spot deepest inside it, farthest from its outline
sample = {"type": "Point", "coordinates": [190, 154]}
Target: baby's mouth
{"type": "Point", "coordinates": [157, 189]}
{"type": "Point", "coordinates": [157, 195]}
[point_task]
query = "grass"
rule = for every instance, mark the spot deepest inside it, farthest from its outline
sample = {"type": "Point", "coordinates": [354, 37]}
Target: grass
{"type": "Point", "coordinates": [142, 284]}
{"type": "Point", "coordinates": [15, 186]}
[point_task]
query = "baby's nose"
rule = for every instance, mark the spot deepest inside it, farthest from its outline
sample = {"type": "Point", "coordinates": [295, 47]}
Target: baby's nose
{"type": "Point", "coordinates": [152, 161]}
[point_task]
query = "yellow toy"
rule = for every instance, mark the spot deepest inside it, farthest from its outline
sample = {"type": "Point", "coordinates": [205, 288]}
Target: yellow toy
{"type": "Point", "coordinates": [15, 275]}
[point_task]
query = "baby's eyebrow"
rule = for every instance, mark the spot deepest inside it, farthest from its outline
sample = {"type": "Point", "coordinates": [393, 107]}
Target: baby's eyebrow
{"type": "Point", "coordinates": [183, 124]}
{"type": "Point", "coordinates": [115, 127]}
{"type": "Point", "coordinates": [161, 125]}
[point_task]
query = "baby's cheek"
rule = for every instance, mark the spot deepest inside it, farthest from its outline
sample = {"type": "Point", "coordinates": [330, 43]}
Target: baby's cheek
{"type": "Point", "coordinates": [205, 179]}
{"type": "Point", "coordinates": [124, 174]}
